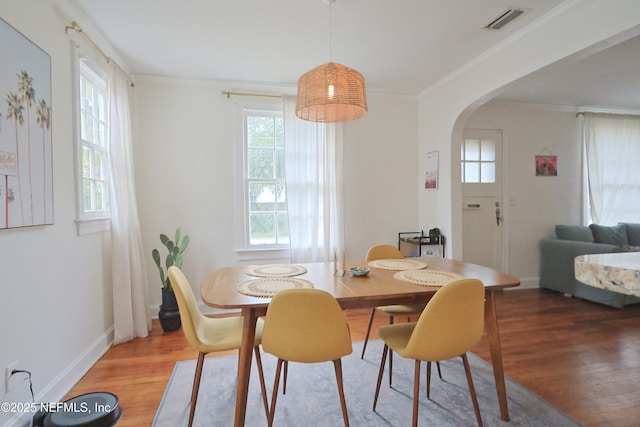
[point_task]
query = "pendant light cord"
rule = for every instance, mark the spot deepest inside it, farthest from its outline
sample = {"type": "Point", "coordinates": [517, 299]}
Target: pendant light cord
{"type": "Point", "coordinates": [330, 33]}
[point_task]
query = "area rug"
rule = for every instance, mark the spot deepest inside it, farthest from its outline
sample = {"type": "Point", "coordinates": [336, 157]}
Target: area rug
{"type": "Point", "coordinates": [312, 397]}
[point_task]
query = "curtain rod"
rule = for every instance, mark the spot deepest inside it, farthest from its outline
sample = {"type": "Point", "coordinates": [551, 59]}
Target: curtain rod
{"type": "Point", "coordinates": [77, 28]}
{"type": "Point", "coordinates": [228, 94]}
{"type": "Point", "coordinates": [629, 113]}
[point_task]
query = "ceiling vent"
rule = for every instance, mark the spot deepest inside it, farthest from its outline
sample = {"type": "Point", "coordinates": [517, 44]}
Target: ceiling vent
{"type": "Point", "coordinates": [504, 18]}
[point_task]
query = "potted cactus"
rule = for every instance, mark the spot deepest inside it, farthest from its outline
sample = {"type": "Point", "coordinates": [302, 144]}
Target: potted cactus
{"type": "Point", "coordinates": [169, 315]}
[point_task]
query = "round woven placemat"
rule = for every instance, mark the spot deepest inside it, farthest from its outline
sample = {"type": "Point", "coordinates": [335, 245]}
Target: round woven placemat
{"type": "Point", "coordinates": [268, 287]}
{"type": "Point", "coordinates": [275, 270]}
{"type": "Point", "coordinates": [427, 277]}
{"type": "Point", "coordinates": [397, 264]}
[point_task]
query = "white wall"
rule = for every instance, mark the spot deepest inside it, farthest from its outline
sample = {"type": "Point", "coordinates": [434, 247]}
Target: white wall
{"type": "Point", "coordinates": [184, 168]}
{"type": "Point", "coordinates": [55, 292]}
{"type": "Point", "coordinates": [534, 205]}
{"type": "Point", "coordinates": [185, 163]}
{"type": "Point", "coordinates": [380, 168]}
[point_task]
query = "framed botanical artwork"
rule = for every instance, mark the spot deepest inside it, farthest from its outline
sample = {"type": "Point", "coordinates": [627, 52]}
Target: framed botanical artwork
{"type": "Point", "coordinates": [431, 171]}
{"type": "Point", "coordinates": [26, 176]}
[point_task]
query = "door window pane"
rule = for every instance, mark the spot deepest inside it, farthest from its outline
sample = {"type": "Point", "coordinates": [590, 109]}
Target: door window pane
{"type": "Point", "coordinates": [472, 150]}
{"type": "Point", "coordinates": [478, 159]}
{"type": "Point", "coordinates": [472, 172]}
{"type": "Point", "coordinates": [488, 151]}
{"type": "Point", "coordinates": [488, 173]}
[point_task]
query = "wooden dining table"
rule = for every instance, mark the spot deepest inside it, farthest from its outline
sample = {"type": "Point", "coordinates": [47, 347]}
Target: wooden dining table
{"type": "Point", "coordinates": [220, 289]}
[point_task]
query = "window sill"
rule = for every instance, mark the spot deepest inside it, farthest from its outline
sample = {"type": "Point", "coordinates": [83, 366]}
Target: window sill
{"type": "Point", "coordinates": [92, 226]}
{"type": "Point", "coordinates": [263, 255]}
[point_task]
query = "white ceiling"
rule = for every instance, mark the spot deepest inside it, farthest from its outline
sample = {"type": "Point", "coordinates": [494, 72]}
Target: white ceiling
{"type": "Point", "coordinates": [609, 78]}
{"type": "Point", "coordinates": [400, 46]}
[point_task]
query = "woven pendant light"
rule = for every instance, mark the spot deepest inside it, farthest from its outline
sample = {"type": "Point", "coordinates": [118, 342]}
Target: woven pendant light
{"type": "Point", "coordinates": [331, 93]}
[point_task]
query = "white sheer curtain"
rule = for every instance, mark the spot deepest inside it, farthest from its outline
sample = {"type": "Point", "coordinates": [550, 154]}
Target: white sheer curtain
{"type": "Point", "coordinates": [612, 149]}
{"type": "Point", "coordinates": [130, 294]}
{"type": "Point", "coordinates": [313, 158]}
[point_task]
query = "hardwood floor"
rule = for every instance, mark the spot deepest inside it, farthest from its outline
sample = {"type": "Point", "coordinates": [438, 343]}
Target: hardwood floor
{"type": "Point", "coordinates": [583, 358]}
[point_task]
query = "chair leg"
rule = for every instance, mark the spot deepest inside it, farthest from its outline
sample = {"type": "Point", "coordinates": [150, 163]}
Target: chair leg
{"type": "Point", "coordinates": [274, 396]}
{"type": "Point", "coordinates": [337, 365]}
{"type": "Point", "coordinates": [286, 373]}
{"type": "Point", "coordinates": [196, 386]}
{"type": "Point", "coordinates": [380, 372]}
{"type": "Point", "coordinates": [416, 393]}
{"type": "Point", "coordinates": [428, 378]}
{"type": "Point", "coordinates": [390, 367]}
{"type": "Point", "coordinates": [472, 389]}
{"type": "Point", "coordinates": [263, 388]}
{"type": "Point", "coordinates": [366, 336]}
{"type": "Point", "coordinates": [390, 358]}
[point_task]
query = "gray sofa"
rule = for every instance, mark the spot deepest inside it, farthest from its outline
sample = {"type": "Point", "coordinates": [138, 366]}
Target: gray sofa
{"type": "Point", "coordinates": [557, 258]}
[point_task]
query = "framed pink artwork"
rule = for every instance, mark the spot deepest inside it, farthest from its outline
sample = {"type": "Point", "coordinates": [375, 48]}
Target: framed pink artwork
{"type": "Point", "coordinates": [546, 165]}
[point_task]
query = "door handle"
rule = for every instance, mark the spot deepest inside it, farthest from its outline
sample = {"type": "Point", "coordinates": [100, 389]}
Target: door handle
{"type": "Point", "coordinates": [498, 216]}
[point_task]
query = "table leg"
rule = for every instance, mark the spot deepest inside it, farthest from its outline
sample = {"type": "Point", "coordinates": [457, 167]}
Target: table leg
{"type": "Point", "coordinates": [491, 325]}
{"type": "Point", "coordinates": [244, 364]}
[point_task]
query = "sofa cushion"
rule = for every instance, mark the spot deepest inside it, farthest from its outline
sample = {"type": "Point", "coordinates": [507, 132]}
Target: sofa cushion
{"type": "Point", "coordinates": [611, 235]}
{"type": "Point", "coordinates": [574, 232]}
{"type": "Point", "coordinates": [633, 234]}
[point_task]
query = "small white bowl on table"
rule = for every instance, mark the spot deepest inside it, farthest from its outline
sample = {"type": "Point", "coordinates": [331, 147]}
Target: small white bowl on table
{"type": "Point", "coordinates": [359, 271]}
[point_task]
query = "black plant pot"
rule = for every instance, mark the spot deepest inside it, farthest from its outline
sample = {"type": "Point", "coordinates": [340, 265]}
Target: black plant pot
{"type": "Point", "coordinates": [169, 315]}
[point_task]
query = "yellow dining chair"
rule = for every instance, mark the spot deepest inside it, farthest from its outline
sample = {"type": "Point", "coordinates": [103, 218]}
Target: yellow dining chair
{"type": "Point", "coordinates": [308, 326]}
{"type": "Point", "coordinates": [208, 335]}
{"type": "Point", "coordinates": [384, 251]}
{"type": "Point", "coordinates": [450, 325]}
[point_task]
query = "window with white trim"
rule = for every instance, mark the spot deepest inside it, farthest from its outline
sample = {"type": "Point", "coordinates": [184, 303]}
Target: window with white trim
{"type": "Point", "coordinates": [93, 156]}
{"type": "Point", "coordinates": [92, 167]}
{"type": "Point", "coordinates": [265, 194]}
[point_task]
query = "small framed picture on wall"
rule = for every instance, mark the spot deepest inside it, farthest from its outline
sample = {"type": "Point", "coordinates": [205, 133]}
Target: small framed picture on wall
{"type": "Point", "coordinates": [546, 165]}
{"type": "Point", "coordinates": [431, 171]}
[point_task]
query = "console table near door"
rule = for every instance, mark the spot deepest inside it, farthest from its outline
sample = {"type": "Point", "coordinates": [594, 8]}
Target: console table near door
{"type": "Point", "coordinates": [413, 244]}
{"type": "Point", "coordinates": [617, 272]}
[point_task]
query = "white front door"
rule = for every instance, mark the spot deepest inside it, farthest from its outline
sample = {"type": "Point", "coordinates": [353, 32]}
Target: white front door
{"type": "Point", "coordinates": [482, 211]}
